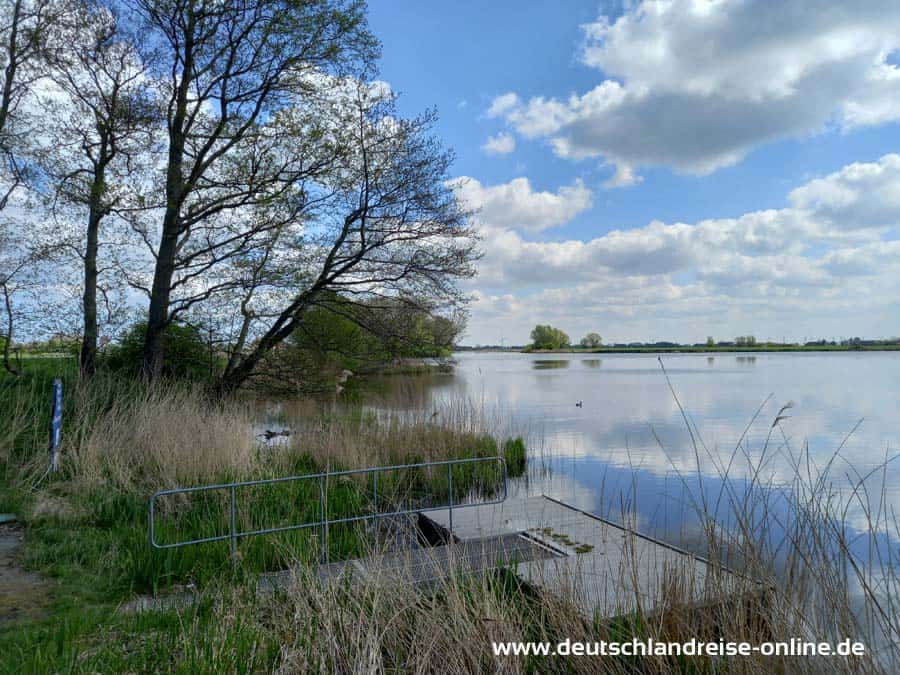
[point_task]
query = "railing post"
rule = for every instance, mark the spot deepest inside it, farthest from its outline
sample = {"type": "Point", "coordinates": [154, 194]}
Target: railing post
{"type": "Point", "coordinates": [152, 525]}
{"type": "Point", "coordinates": [233, 530]}
{"type": "Point", "coordinates": [323, 521]}
{"type": "Point", "coordinates": [375, 491]}
{"type": "Point", "coordinates": [450, 490]}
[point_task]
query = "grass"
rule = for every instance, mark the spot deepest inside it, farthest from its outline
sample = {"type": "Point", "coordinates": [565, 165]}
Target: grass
{"type": "Point", "coordinates": [87, 525]}
{"type": "Point", "coordinates": [86, 531]}
{"type": "Point", "coordinates": [204, 638]}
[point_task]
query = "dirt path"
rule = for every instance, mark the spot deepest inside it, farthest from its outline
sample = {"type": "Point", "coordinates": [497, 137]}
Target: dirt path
{"type": "Point", "coordinates": [23, 594]}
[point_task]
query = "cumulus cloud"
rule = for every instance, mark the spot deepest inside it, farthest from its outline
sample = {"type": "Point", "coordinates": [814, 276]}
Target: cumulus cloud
{"type": "Point", "coordinates": [501, 144]}
{"type": "Point", "coordinates": [824, 258]}
{"type": "Point", "coordinates": [861, 195]}
{"type": "Point", "coordinates": [696, 85]}
{"type": "Point", "coordinates": [517, 205]}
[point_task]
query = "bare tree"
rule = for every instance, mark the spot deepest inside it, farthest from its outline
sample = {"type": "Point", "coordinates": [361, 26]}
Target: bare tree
{"type": "Point", "coordinates": [27, 30]}
{"type": "Point", "coordinates": [390, 230]}
{"type": "Point", "coordinates": [226, 68]}
{"type": "Point", "coordinates": [103, 116]}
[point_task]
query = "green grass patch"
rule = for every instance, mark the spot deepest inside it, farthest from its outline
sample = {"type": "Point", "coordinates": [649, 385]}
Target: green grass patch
{"type": "Point", "coordinates": [207, 638]}
{"type": "Point", "coordinates": [515, 455]}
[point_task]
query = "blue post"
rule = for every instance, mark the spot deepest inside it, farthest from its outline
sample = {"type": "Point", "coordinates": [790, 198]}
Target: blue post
{"type": "Point", "coordinates": [56, 424]}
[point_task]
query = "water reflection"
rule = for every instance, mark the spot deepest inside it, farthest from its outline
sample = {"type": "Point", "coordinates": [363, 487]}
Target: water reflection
{"type": "Point", "coordinates": [548, 364]}
{"type": "Point", "coordinates": [629, 442]}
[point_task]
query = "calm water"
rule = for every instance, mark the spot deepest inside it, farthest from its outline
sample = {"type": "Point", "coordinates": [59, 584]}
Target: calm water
{"type": "Point", "coordinates": [627, 453]}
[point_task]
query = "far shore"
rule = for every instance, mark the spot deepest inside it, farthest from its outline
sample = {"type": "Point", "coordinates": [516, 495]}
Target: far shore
{"type": "Point", "coordinates": [688, 349]}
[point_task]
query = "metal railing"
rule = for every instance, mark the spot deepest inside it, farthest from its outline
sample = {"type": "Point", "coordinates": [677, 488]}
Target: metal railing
{"type": "Point", "coordinates": [234, 534]}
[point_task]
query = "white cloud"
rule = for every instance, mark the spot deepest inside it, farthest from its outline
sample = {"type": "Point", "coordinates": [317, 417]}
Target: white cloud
{"type": "Point", "coordinates": [861, 195]}
{"type": "Point", "coordinates": [501, 144]}
{"type": "Point", "coordinates": [826, 259]}
{"type": "Point", "coordinates": [502, 104]}
{"type": "Point", "coordinates": [623, 177]}
{"type": "Point", "coordinates": [517, 205]}
{"type": "Point", "coordinates": [695, 85]}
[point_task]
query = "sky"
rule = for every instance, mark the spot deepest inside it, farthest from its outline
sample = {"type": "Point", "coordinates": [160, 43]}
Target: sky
{"type": "Point", "coordinates": [669, 169]}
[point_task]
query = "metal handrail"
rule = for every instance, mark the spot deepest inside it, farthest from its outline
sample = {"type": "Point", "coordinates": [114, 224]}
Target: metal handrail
{"type": "Point", "coordinates": [323, 522]}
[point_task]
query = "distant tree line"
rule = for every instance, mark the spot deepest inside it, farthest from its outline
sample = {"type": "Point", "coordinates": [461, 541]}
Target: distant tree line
{"type": "Point", "coordinates": [549, 337]}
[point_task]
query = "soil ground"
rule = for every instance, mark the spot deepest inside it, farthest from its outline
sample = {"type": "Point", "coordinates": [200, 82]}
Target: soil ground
{"type": "Point", "coordinates": [23, 594]}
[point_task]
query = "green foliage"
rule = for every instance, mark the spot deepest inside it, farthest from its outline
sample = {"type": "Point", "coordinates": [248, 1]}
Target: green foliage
{"type": "Point", "coordinates": [514, 454]}
{"type": "Point", "coordinates": [745, 341]}
{"type": "Point", "coordinates": [342, 335]}
{"type": "Point", "coordinates": [335, 341]}
{"type": "Point", "coordinates": [187, 354]}
{"type": "Point", "coordinates": [710, 341]}
{"type": "Point", "coordinates": [548, 337]}
{"type": "Point", "coordinates": [591, 341]}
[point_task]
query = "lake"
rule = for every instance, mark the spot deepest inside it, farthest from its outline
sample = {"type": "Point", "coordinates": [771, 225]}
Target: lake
{"type": "Point", "coordinates": [627, 451]}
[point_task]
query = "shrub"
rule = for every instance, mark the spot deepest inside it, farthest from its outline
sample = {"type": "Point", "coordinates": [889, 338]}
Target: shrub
{"type": "Point", "coordinates": [187, 355]}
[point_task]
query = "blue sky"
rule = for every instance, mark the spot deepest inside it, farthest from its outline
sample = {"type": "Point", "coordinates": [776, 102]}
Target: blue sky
{"type": "Point", "coordinates": [752, 142]}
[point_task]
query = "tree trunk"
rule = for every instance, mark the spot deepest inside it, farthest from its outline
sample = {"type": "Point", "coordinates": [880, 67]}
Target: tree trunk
{"type": "Point", "coordinates": [160, 293]}
{"type": "Point", "coordinates": [239, 370]}
{"type": "Point", "coordinates": [12, 64]}
{"type": "Point", "coordinates": [89, 338]}
{"type": "Point", "coordinates": [7, 346]}
{"type": "Point", "coordinates": [158, 314]}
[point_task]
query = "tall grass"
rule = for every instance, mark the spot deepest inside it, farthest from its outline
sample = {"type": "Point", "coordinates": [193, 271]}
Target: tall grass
{"type": "Point", "coordinates": [124, 441]}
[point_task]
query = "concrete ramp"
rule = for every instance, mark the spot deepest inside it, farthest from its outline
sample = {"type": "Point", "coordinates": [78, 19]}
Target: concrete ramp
{"type": "Point", "coordinates": [604, 568]}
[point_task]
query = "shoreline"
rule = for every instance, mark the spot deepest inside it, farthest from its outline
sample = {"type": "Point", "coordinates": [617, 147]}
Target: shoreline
{"type": "Point", "coordinates": [687, 350]}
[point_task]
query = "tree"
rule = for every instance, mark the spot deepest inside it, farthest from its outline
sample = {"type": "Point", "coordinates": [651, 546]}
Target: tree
{"type": "Point", "coordinates": [548, 337]}
{"type": "Point", "coordinates": [102, 117]}
{"type": "Point", "coordinates": [226, 69]}
{"type": "Point", "coordinates": [591, 341]}
{"type": "Point", "coordinates": [345, 335]}
{"type": "Point", "coordinates": [27, 31]}
{"type": "Point", "coordinates": [30, 296]}
{"type": "Point", "coordinates": [27, 34]}
{"type": "Point", "coordinates": [710, 341]}
{"type": "Point", "coordinates": [388, 231]}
